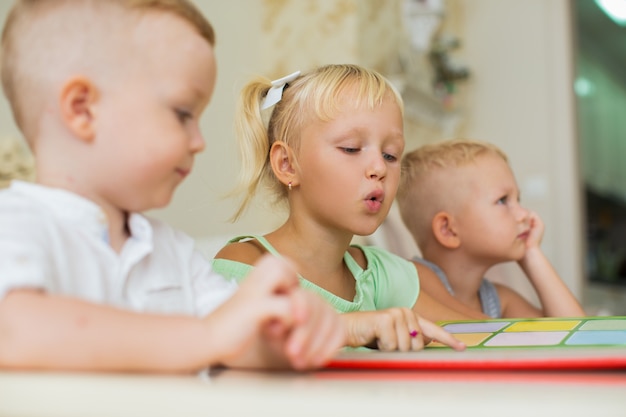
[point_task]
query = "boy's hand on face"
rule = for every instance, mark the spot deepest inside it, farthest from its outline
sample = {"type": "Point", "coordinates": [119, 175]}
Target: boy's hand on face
{"type": "Point", "coordinates": [533, 254]}
{"type": "Point", "coordinates": [536, 231]}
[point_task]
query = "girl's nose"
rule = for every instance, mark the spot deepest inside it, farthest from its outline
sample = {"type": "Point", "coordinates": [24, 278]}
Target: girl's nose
{"type": "Point", "coordinates": [377, 168]}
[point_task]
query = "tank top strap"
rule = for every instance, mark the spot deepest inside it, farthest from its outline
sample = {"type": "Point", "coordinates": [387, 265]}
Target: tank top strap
{"type": "Point", "coordinates": [259, 239]}
{"type": "Point", "coordinates": [438, 271]}
{"type": "Point", "coordinates": [490, 299]}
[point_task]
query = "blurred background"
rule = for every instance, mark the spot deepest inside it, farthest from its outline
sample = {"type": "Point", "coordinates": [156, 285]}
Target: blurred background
{"type": "Point", "coordinates": [542, 79]}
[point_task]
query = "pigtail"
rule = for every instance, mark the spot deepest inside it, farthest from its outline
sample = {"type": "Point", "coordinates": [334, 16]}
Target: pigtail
{"type": "Point", "coordinates": [253, 141]}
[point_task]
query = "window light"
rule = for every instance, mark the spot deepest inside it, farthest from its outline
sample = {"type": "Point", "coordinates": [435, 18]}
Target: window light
{"type": "Point", "coordinates": [615, 9]}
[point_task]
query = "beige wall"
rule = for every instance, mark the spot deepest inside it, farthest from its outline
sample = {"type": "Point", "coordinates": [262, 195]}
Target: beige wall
{"type": "Point", "coordinates": [7, 126]}
{"type": "Point", "coordinates": [519, 97]}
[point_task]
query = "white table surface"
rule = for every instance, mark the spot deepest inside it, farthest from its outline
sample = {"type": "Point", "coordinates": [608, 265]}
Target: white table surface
{"type": "Point", "coordinates": [327, 393]}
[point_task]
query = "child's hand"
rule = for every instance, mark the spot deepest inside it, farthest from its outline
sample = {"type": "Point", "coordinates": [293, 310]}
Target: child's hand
{"type": "Point", "coordinates": [535, 232]}
{"type": "Point", "coordinates": [394, 329]}
{"type": "Point", "coordinates": [317, 332]}
{"type": "Point", "coordinates": [435, 332]}
{"type": "Point", "coordinates": [270, 308]}
{"type": "Point", "coordinates": [262, 300]}
{"type": "Point", "coordinates": [533, 243]}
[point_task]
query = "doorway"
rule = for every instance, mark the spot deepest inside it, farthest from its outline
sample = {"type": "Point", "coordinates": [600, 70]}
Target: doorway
{"type": "Point", "coordinates": [600, 87]}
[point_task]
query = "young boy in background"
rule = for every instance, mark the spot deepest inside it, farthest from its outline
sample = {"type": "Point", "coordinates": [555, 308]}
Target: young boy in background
{"type": "Point", "coordinates": [108, 95]}
{"type": "Point", "coordinates": [460, 201]}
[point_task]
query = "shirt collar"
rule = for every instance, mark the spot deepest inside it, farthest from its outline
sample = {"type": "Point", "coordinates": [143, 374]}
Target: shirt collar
{"type": "Point", "coordinates": [140, 228]}
{"type": "Point", "coordinates": [77, 210]}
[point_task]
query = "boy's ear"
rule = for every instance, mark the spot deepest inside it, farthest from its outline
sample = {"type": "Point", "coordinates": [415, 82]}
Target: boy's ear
{"type": "Point", "coordinates": [282, 161]}
{"type": "Point", "coordinates": [444, 229]}
{"type": "Point", "coordinates": [78, 98]}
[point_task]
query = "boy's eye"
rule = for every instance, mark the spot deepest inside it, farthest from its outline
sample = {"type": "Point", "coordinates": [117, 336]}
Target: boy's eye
{"type": "Point", "coordinates": [183, 115]}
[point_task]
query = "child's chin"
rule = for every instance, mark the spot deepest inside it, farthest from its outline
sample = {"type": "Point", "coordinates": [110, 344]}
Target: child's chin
{"type": "Point", "coordinates": [161, 202]}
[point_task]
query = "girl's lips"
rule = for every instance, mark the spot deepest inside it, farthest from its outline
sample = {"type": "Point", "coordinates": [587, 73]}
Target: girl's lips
{"type": "Point", "coordinates": [373, 205]}
{"type": "Point", "coordinates": [378, 195]}
{"type": "Point", "coordinates": [524, 235]}
{"type": "Point", "coordinates": [374, 200]}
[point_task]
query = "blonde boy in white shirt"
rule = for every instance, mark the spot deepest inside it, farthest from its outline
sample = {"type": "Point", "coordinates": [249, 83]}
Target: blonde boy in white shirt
{"type": "Point", "coordinates": [108, 94]}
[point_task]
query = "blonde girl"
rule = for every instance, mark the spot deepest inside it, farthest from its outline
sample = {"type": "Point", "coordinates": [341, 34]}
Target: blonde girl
{"type": "Point", "coordinates": [328, 144]}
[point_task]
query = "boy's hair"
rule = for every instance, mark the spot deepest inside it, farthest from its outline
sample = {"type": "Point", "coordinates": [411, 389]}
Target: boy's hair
{"type": "Point", "coordinates": [47, 40]}
{"type": "Point", "coordinates": [420, 194]}
{"type": "Point", "coordinates": [315, 95]}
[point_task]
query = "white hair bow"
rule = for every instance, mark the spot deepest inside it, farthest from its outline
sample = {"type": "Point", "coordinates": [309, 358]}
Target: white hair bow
{"type": "Point", "coordinates": [275, 93]}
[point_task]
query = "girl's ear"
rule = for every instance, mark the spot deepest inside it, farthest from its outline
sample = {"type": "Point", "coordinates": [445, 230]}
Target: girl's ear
{"type": "Point", "coordinates": [444, 229]}
{"type": "Point", "coordinates": [283, 163]}
{"type": "Point", "coordinates": [77, 101]}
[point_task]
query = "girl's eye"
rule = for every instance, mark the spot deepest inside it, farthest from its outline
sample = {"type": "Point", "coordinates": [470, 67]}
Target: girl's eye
{"type": "Point", "coordinates": [503, 200]}
{"type": "Point", "coordinates": [350, 150]}
{"type": "Point", "coordinates": [389, 157]}
{"type": "Point", "coordinates": [183, 115]}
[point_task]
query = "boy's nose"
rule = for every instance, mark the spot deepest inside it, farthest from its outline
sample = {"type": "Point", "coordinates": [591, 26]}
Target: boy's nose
{"type": "Point", "coordinates": [523, 212]}
{"type": "Point", "coordinates": [197, 142]}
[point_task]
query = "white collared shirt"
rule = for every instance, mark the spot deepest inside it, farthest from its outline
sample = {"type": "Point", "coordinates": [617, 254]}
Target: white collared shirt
{"type": "Point", "coordinates": [57, 241]}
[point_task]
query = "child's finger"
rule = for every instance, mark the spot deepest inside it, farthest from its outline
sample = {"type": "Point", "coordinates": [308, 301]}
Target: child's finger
{"type": "Point", "coordinates": [415, 332]}
{"type": "Point", "coordinates": [275, 313]}
{"type": "Point", "coordinates": [315, 340]}
{"type": "Point", "coordinates": [267, 288]}
{"type": "Point", "coordinates": [307, 344]}
{"type": "Point", "coordinates": [301, 333]}
{"type": "Point", "coordinates": [386, 331]}
{"type": "Point", "coordinates": [271, 275]}
{"type": "Point", "coordinates": [276, 328]}
{"type": "Point", "coordinates": [433, 331]}
{"type": "Point", "coordinates": [406, 328]}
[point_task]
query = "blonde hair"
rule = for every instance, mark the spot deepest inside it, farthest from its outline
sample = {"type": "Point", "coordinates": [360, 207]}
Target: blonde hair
{"type": "Point", "coordinates": [417, 195]}
{"type": "Point", "coordinates": [42, 36]}
{"type": "Point", "coordinates": [313, 95]}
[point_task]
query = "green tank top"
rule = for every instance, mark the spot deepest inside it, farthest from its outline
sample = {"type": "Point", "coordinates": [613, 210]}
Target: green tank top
{"type": "Point", "coordinates": [388, 280]}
